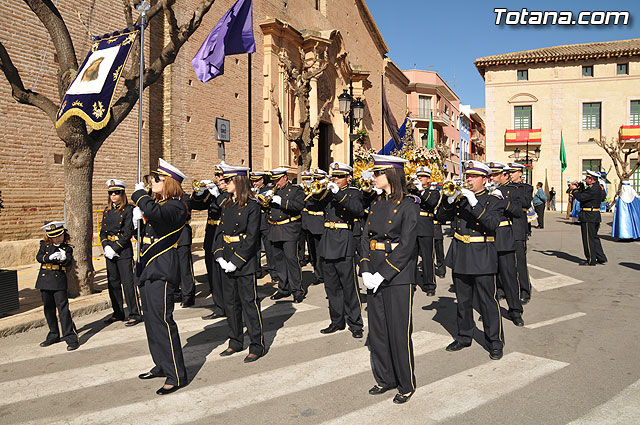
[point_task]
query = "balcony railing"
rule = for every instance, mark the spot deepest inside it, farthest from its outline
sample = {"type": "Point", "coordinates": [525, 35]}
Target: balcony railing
{"type": "Point", "coordinates": [439, 117]}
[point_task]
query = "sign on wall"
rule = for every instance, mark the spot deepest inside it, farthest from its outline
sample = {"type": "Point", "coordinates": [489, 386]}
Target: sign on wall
{"type": "Point", "coordinates": [223, 130]}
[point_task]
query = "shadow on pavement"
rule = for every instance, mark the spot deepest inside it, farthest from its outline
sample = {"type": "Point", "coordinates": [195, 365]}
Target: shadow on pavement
{"type": "Point", "coordinates": [446, 310]}
{"type": "Point", "coordinates": [634, 266]}
{"type": "Point", "coordinates": [92, 329]}
{"type": "Point", "coordinates": [560, 254]}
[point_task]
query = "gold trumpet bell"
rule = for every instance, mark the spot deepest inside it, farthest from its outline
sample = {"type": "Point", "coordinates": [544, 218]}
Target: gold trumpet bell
{"type": "Point", "coordinates": [264, 200]}
{"type": "Point", "coordinates": [450, 187]}
{"type": "Point", "coordinates": [197, 185]}
{"type": "Point", "coordinates": [365, 185]}
{"type": "Point", "coordinates": [316, 188]}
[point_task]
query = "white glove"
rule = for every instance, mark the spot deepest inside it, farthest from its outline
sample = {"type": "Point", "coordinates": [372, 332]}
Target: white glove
{"type": "Point", "coordinates": [378, 190]}
{"type": "Point", "coordinates": [277, 199]}
{"type": "Point", "coordinates": [213, 190]}
{"type": "Point", "coordinates": [223, 263]}
{"type": "Point", "coordinates": [54, 256]}
{"type": "Point", "coordinates": [497, 193]}
{"type": "Point", "coordinates": [110, 253]}
{"type": "Point", "coordinates": [366, 280]}
{"type": "Point", "coordinates": [375, 281]}
{"type": "Point", "coordinates": [139, 186]}
{"type": "Point", "coordinates": [333, 187]}
{"type": "Point", "coordinates": [471, 197]}
{"type": "Point", "coordinates": [418, 184]}
{"type": "Point", "coordinates": [63, 254]}
{"type": "Point", "coordinates": [230, 267]}
{"type": "Point", "coordinates": [199, 191]}
{"type": "Point", "coordinates": [136, 215]}
{"type": "Point", "coordinates": [268, 193]}
{"type": "Point", "coordinates": [451, 199]}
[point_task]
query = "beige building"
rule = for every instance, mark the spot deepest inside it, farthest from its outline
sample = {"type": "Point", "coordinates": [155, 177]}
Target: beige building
{"type": "Point", "coordinates": [576, 92]}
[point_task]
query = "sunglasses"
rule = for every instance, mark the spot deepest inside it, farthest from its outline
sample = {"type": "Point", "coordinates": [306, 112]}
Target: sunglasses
{"type": "Point", "coordinates": [116, 192]}
{"type": "Point", "coordinates": [157, 178]}
{"type": "Point", "coordinates": [379, 173]}
{"type": "Point", "coordinates": [226, 179]}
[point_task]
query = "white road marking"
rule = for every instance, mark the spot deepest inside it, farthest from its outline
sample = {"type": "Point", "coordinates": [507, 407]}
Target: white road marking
{"type": "Point", "coordinates": [192, 405]}
{"type": "Point", "coordinates": [459, 393]}
{"type": "Point", "coordinates": [99, 374]}
{"type": "Point", "coordinates": [623, 409]}
{"type": "Point", "coordinates": [551, 282]}
{"type": "Point", "coordinates": [556, 320]}
{"type": "Point", "coordinates": [106, 338]}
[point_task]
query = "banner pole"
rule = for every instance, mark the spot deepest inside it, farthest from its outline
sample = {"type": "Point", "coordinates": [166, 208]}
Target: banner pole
{"type": "Point", "coordinates": [142, 8]}
{"type": "Point", "coordinates": [249, 117]}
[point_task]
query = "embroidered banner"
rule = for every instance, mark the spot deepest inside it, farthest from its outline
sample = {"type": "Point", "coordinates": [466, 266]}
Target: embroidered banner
{"type": "Point", "coordinates": [91, 93]}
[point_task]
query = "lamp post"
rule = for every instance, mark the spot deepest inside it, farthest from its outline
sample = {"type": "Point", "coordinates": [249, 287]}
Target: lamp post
{"type": "Point", "coordinates": [536, 152]}
{"type": "Point", "coordinates": [352, 113]}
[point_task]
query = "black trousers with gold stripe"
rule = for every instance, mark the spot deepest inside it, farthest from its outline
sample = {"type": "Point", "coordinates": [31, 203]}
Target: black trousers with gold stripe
{"type": "Point", "coordinates": [484, 286]}
{"type": "Point", "coordinates": [187, 280]}
{"type": "Point", "coordinates": [342, 292]}
{"type": "Point", "coordinates": [59, 300]}
{"type": "Point", "coordinates": [214, 272]}
{"type": "Point", "coordinates": [162, 331]}
{"type": "Point", "coordinates": [508, 280]}
{"type": "Point", "coordinates": [593, 251]}
{"type": "Point", "coordinates": [426, 250]}
{"type": "Point", "coordinates": [389, 340]}
{"type": "Point", "coordinates": [119, 278]}
{"type": "Point", "coordinates": [285, 255]}
{"type": "Point", "coordinates": [522, 270]}
{"type": "Point", "coordinates": [241, 298]}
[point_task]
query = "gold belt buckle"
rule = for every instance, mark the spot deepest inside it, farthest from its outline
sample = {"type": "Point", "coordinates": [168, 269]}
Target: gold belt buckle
{"type": "Point", "coordinates": [372, 245]}
{"type": "Point", "coordinates": [332, 225]}
{"type": "Point", "coordinates": [466, 238]}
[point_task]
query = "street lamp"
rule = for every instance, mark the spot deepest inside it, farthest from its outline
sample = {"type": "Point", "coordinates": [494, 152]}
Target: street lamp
{"type": "Point", "coordinates": [352, 112]}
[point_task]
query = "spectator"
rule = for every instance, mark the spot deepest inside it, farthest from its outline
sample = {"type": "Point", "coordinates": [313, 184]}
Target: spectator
{"type": "Point", "coordinates": [539, 201]}
{"type": "Point", "coordinates": [551, 204]}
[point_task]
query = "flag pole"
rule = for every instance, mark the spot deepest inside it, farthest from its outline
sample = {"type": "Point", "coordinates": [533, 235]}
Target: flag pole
{"type": "Point", "coordinates": [142, 8]}
{"type": "Point", "coordinates": [249, 118]}
{"type": "Point", "coordinates": [382, 111]}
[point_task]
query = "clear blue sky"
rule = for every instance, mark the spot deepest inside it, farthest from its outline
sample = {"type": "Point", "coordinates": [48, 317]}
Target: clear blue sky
{"type": "Point", "coordinates": [447, 36]}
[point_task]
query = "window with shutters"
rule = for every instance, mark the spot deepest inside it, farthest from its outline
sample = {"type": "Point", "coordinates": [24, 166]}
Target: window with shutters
{"type": "Point", "coordinates": [634, 112]}
{"type": "Point", "coordinates": [591, 116]}
{"type": "Point", "coordinates": [522, 117]}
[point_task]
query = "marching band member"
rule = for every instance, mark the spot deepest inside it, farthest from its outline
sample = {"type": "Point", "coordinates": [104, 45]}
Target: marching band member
{"type": "Point", "coordinates": [505, 240]}
{"type": "Point", "coordinates": [260, 187]}
{"type": "Point", "coordinates": [473, 258]}
{"type": "Point", "coordinates": [55, 255]}
{"type": "Point", "coordinates": [429, 199]}
{"type": "Point", "coordinates": [590, 198]}
{"type": "Point", "coordinates": [209, 198]}
{"type": "Point", "coordinates": [388, 265]}
{"type": "Point", "coordinates": [115, 236]}
{"type": "Point", "coordinates": [166, 215]}
{"type": "Point", "coordinates": [236, 243]}
{"type": "Point", "coordinates": [521, 229]}
{"type": "Point", "coordinates": [284, 218]}
{"type": "Point", "coordinates": [306, 177]}
{"type": "Point", "coordinates": [341, 205]}
{"type": "Point", "coordinates": [313, 226]}
{"type": "Point", "coordinates": [186, 292]}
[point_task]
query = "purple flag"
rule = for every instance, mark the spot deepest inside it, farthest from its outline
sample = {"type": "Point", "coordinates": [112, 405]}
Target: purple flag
{"type": "Point", "coordinates": [232, 35]}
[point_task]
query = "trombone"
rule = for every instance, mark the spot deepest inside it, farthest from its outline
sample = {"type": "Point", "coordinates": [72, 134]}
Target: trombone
{"type": "Point", "coordinates": [316, 188]}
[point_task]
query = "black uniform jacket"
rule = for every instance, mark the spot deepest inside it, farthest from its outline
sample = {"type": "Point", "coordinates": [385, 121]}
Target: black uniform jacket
{"type": "Point", "coordinates": [52, 275]}
{"type": "Point", "coordinates": [429, 200]}
{"type": "Point", "coordinates": [341, 210]}
{"type": "Point", "coordinates": [517, 193]}
{"type": "Point", "coordinates": [472, 249]}
{"type": "Point", "coordinates": [510, 208]}
{"type": "Point", "coordinates": [392, 224]}
{"type": "Point", "coordinates": [238, 236]}
{"type": "Point", "coordinates": [206, 201]}
{"type": "Point", "coordinates": [116, 231]}
{"type": "Point", "coordinates": [590, 199]}
{"type": "Point", "coordinates": [160, 232]}
{"type": "Point", "coordinates": [313, 216]}
{"type": "Point", "coordinates": [284, 219]}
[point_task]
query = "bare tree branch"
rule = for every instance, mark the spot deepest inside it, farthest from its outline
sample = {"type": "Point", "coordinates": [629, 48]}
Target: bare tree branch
{"type": "Point", "coordinates": [171, 19]}
{"type": "Point", "coordinates": [278, 113]}
{"type": "Point", "coordinates": [128, 12]}
{"type": "Point", "coordinates": [19, 93]}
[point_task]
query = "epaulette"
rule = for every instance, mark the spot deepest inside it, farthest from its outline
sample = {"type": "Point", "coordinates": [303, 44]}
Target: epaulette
{"type": "Point", "coordinates": [415, 198]}
{"type": "Point", "coordinates": [500, 196]}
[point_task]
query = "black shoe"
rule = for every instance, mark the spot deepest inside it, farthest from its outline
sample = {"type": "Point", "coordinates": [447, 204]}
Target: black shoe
{"type": "Point", "coordinates": [177, 300]}
{"type": "Point", "coordinates": [251, 358]}
{"type": "Point", "coordinates": [525, 301]}
{"type": "Point", "coordinates": [456, 346]}
{"type": "Point", "coordinates": [431, 293]}
{"type": "Point", "coordinates": [73, 346]}
{"type": "Point", "coordinates": [229, 351]}
{"type": "Point", "coordinates": [149, 375]}
{"type": "Point", "coordinates": [586, 263]}
{"type": "Point", "coordinates": [517, 320]}
{"type": "Point", "coordinates": [187, 303]}
{"type": "Point", "coordinates": [133, 322]}
{"type": "Point", "coordinates": [165, 391]}
{"type": "Point", "coordinates": [441, 275]}
{"type": "Point", "coordinates": [601, 261]}
{"type": "Point", "coordinates": [212, 316]}
{"type": "Point", "coordinates": [357, 333]}
{"type": "Point", "coordinates": [112, 319]}
{"type": "Point", "coordinates": [48, 342]}
{"type": "Point", "coordinates": [376, 389]}
{"type": "Point", "coordinates": [331, 329]}
{"type": "Point", "coordinates": [495, 354]}
{"type": "Point", "coordinates": [279, 295]}
{"type": "Point", "coordinates": [402, 398]}
{"type": "Point", "coordinates": [298, 299]}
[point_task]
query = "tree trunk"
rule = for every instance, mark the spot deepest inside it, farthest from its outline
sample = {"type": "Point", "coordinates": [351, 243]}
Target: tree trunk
{"type": "Point", "coordinates": [78, 167]}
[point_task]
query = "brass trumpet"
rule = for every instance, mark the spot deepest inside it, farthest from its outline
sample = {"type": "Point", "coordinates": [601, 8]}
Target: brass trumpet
{"type": "Point", "coordinates": [450, 187]}
{"type": "Point", "coordinates": [316, 188]}
{"type": "Point", "coordinates": [365, 185]}
{"type": "Point", "coordinates": [264, 200]}
{"type": "Point", "coordinates": [198, 185]}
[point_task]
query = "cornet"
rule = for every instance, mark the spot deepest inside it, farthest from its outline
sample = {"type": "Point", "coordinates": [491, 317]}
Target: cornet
{"type": "Point", "coordinates": [264, 200]}
{"type": "Point", "coordinates": [449, 188]}
{"type": "Point", "coordinates": [316, 188]}
{"type": "Point", "coordinates": [198, 185]}
{"type": "Point", "coordinates": [365, 185]}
